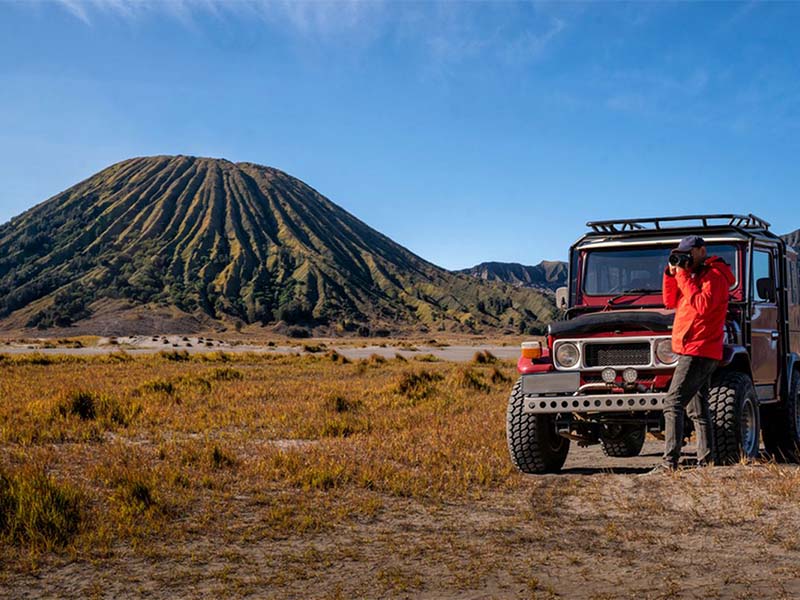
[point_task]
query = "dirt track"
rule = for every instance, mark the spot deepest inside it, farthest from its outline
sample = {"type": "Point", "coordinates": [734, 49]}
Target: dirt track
{"type": "Point", "coordinates": [137, 345]}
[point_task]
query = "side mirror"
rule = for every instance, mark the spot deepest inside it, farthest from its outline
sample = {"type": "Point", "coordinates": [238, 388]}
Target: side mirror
{"type": "Point", "coordinates": [561, 298]}
{"type": "Point", "coordinates": [766, 289]}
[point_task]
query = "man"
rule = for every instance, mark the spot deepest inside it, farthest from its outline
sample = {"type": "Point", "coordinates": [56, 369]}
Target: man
{"type": "Point", "coordinates": [698, 291]}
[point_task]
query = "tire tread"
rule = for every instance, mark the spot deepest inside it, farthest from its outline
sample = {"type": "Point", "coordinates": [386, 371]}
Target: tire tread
{"type": "Point", "coordinates": [724, 407]}
{"type": "Point", "coordinates": [525, 434]}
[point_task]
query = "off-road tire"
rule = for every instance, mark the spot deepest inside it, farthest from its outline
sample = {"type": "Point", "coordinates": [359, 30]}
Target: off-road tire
{"type": "Point", "coordinates": [626, 442]}
{"type": "Point", "coordinates": [533, 443]}
{"type": "Point", "coordinates": [733, 407]}
{"type": "Point", "coordinates": [781, 425]}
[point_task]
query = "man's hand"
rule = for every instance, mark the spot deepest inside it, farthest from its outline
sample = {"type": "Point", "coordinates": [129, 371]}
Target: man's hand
{"type": "Point", "coordinates": [672, 269]}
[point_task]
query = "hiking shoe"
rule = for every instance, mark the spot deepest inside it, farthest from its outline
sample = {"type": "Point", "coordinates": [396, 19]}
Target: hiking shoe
{"type": "Point", "coordinates": [662, 469]}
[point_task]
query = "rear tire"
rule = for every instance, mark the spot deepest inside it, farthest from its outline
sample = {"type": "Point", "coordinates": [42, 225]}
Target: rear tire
{"type": "Point", "coordinates": [622, 441]}
{"type": "Point", "coordinates": [735, 421]}
{"type": "Point", "coordinates": [781, 425]}
{"type": "Point", "coordinates": [533, 443]}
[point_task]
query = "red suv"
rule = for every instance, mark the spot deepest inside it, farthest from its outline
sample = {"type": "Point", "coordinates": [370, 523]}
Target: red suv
{"type": "Point", "coordinates": [604, 370]}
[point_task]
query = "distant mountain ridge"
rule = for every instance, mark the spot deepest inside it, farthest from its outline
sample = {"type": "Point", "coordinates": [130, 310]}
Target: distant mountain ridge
{"type": "Point", "coordinates": [548, 274]}
{"type": "Point", "coordinates": [201, 240]}
{"type": "Point", "coordinates": [793, 238]}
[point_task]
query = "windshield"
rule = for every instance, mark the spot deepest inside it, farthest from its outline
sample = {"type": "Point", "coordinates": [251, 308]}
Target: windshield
{"type": "Point", "coordinates": [637, 270]}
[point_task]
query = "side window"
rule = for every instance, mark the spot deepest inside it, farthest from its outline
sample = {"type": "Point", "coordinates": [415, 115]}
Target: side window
{"type": "Point", "coordinates": [762, 269]}
{"type": "Point", "coordinates": [793, 280]}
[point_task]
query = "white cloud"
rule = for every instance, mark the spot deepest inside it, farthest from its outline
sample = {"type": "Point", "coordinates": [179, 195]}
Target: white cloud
{"type": "Point", "coordinates": [77, 9]}
{"type": "Point", "coordinates": [531, 46]}
{"type": "Point", "coordinates": [307, 17]}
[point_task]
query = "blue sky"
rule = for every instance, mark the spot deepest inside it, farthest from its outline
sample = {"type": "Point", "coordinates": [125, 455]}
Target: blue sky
{"type": "Point", "coordinates": [464, 131]}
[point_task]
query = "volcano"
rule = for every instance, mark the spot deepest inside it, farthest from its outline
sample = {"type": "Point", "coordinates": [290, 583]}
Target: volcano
{"type": "Point", "coordinates": [204, 241]}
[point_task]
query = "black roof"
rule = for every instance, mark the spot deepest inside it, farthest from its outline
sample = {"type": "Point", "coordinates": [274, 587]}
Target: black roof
{"type": "Point", "coordinates": [748, 226]}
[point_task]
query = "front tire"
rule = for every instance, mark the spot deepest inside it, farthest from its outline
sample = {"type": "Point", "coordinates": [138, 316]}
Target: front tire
{"type": "Point", "coordinates": [533, 443]}
{"type": "Point", "coordinates": [622, 441]}
{"type": "Point", "coordinates": [735, 421]}
{"type": "Point", "coordinates": [782, 425]}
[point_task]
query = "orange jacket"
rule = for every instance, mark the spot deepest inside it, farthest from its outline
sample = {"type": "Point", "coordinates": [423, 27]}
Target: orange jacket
{"type": "Point", "coordinates": [701, 302]}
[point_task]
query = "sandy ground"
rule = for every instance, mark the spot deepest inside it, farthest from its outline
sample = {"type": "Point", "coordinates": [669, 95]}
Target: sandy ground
{"type": "Point", "coordinates": [136, 345]}
{"type": "Point", "coordinates": [599, 530]}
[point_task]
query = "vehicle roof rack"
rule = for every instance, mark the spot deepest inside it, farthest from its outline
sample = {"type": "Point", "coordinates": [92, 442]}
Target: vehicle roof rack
{"type": "Point", "coordinates": [749, 221]}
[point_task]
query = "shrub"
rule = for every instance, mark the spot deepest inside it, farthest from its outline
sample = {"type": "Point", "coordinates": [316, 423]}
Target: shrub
{"type": "Point", "coordinates": [225, 374]}
{"type": "Point", "coordinates": [470, 379]}
{"type": "Point", "coordinates": [78, 403]}
{"type": "Point", "coordinates": [417, 385]}
{"type": "Point", "coordinates": [119, 356]}
{"type": "Point", "coordinates": [37, 358]}
{"type": "Point", "coordinates": [340, 404]}
{"type": "Point", "coordinates": [175, 355]}
{"type": "Point", "coordinates": [221, 459]}
{"type": "Point", "coordinates": [498, 376]}
{"type": "Point", "coordinates": [37, 511]}
{"type": "Point", "coordinates": [426, 358]}
{"type": "Point", "coordinates": [484, 358]}
{"type": "Point", "coordinates": [89, 406]}
{"type": "Point", "coordinates": [136, 495]}
{"type": "Point", "coordinates": [376, 359]}
{"type": "Point", "coordinates": [334, 356]}
{"type": "Point", "coordinates": [156, 386]}
{"type": "Point", "coordinates": [216, 356]}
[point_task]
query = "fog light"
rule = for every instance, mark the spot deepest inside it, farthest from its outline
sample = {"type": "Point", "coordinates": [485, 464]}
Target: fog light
{"type": "Point", "coordinates": [629, 375]}
{"type": "Point", "coordinates": [609, 375]}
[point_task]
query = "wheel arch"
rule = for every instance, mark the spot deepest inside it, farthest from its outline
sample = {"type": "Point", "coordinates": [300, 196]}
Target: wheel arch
{"type": "Point", "coordinates": [792, 365]}
{"type": "Point", "coordinates": [736, 358]}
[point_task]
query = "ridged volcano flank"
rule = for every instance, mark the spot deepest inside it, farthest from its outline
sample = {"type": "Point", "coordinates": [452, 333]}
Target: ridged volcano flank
{"type": "Point", "coordinates": [230, 241]}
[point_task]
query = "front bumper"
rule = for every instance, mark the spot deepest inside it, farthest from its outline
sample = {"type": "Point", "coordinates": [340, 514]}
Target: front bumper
{"type": "Point", "coordinates": [550, 405]}
{"type": "Point", "coordinates": [553, 393]}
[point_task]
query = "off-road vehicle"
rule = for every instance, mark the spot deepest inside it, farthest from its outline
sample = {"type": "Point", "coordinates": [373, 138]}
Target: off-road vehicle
{"type": "Point", "coordinates": [603, 373]}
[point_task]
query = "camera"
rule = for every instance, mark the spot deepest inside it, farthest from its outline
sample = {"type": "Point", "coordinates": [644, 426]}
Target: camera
{"type": "Point", "coordinates": [680, 259]}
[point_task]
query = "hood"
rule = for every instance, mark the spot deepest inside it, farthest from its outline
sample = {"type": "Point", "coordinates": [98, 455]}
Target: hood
{"type": "Point", "coordinates": [613, 321]}
{"type": "Point", "coordinates": [719, 265]}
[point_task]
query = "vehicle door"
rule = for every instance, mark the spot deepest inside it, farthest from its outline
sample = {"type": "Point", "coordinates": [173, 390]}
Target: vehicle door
{"type": "Point", "coordinates": [765, 333]}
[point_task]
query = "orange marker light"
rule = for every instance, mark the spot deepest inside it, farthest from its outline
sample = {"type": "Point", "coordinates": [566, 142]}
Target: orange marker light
{"type": "Point", "coordinates": [531, 350]}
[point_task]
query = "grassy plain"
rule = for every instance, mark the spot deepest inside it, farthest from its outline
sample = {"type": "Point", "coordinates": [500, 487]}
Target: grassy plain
{"type": "Point", "coordinates": [318, 477]}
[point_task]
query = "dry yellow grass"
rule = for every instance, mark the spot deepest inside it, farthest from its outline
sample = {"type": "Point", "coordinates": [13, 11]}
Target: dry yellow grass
{"type": "Point", "coordinates": [312, 476]}
{"type": "Point", "coordinates": [142, 436]}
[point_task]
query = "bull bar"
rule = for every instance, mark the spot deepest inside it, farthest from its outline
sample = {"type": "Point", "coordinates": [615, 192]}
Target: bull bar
{"type": "Point", "coordinates": [553, 393]}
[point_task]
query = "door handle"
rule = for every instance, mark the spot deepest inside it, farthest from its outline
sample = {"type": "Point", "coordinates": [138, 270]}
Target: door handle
{"type": "Point", "coordinates": [775, 335]}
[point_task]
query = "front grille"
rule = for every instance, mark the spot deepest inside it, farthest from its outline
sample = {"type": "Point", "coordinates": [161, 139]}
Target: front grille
{"type": "Point", "coordinates": [608, 355]}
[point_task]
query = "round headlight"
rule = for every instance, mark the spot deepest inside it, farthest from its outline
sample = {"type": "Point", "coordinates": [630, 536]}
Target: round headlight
{"type": "Point", "coordinates": [609, 375]}
{"type": "Point", "coordinates": [567, 355]}
{"type": "Point", "coordinates": [629, 375]}
{"type": "Point", "coordinates": [664, 352]}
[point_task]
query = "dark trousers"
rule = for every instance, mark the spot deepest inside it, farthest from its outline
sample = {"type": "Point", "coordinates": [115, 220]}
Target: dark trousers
{"type": "Point", "coordinates": [688, 392]}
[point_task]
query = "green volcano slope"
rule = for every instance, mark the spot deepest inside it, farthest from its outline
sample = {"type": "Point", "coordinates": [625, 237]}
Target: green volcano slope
{"type": "Point", "coordinates": [233, 243]}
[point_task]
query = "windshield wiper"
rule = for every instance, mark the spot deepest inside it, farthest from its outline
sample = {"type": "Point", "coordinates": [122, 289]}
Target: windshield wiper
{"type": "Point", "coordinates": [638, 292]}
